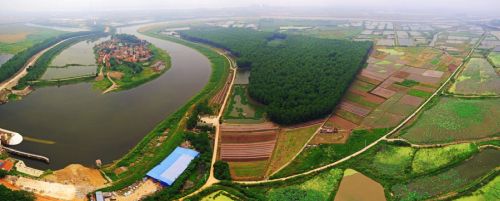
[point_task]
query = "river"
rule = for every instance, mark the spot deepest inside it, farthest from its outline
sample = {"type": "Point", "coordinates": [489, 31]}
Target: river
{"type": "Point", "coordinates": [86, 125]}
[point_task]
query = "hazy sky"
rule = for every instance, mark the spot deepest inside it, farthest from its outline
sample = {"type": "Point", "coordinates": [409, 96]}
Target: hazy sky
{"type": "Point", "coordinates": [99, 5]}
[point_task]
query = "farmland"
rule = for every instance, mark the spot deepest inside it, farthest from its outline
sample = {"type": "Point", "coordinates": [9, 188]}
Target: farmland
{"type": "Point", "coordinates": [247, 148]}
{"type": "Point", "coordinates": [17, 37]}
{"type": "Point", "coordinates": [319, 187]}
{"type": "Point", "coordinates": [431, 159]}
{"type": "Point", "coordinates": [290, 143]}
{"type": "Point", "coordinates": [452, 119]}
{"type": "Point", "coordinates": [452, 179]}
{"type": "Point", "coordinates": [494, 57]}
{"type": "Point", "coordinates": [488, 192]}
{"type": "Point", "coordinates": [478, 78]}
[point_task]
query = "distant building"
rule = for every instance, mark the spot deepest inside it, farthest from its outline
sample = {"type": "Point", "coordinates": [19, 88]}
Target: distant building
{"type": "Point", "coordinates": [173, 166]}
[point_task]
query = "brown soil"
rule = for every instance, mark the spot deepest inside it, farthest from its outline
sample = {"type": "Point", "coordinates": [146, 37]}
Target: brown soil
{"type": "Point", "coordinates": [78, 175]}
{"type": "Point", "coordinates": [369, 97]}
{"type": "Point", "coordinates": [116, 75]}
{"type": "Point", "coordinates": [386, 93]}
{"type": "Point", "coordinates": [248, 137]}
{"type": "Point", "coordinates": [359, 187]}
{"type": "Point", "coordinates": [411, 100]}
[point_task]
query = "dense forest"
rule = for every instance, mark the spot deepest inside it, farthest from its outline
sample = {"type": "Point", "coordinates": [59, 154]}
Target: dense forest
{"type": "Point", "coordinates": [299, 78]}
{"type": "Point", "coordinates": [14, 64]}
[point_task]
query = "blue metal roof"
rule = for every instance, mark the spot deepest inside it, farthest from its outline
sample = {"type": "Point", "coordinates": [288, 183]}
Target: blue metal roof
{"type": "Point", "coordinates": [173, 166]}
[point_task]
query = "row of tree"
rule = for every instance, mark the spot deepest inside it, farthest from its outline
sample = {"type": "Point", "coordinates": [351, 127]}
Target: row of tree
{"type": "Point", "coordinates": [13, 65]}
{"type": "Point", "coordinates": [300, 79]}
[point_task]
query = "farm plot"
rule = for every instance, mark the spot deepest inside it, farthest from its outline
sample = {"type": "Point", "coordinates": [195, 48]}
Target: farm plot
{"type": "Point", "coordinates": [478, 78]}
{"type": "Point", "coordinates": [488, 192]}
{"type": "Point", "coordinates": [392, 160]}
{"type": "Point", "coordinates": [452, 179]}
{"type": "Point", "coordinates": [247, 148]}
{"type": "Point", "coordinates": [344, 130]}
{"type": "Point", "coordinates": [290, 142]}
{"type": "Point", "coordinates": [241, 109]}
{"type": "Point", "coordinates": [218, 99]}
{"type": "Point", "coordinates": [454, 119]}
{"type": "Point", "coordinates": [319, 187]}
{"type": "Point", "coordinates": [220, 196]}
{"type": "Point", "coordinates": [17, 37]}
{"type": "Point", "coordinates": [431, 159]}
{"type": "Point", "coordinates": [349, 188]}
{"type": "Point", "coordinates": [494, 58]}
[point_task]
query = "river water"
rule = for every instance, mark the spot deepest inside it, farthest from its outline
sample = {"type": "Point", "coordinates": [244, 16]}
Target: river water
{"type": "Point", "coordinates": [86, 125]}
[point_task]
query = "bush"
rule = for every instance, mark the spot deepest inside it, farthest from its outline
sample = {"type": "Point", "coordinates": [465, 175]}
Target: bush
{"type": "Point", "coordinates": [3, 173]}
{"type": "Point", "coordinates": [221, 170]}
{"type": "Point", "coordinates": [10, 195]}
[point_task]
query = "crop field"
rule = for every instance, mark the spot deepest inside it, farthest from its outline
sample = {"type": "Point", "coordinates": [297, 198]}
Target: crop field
{"type": "Point", "coordinates": [220, 196]}
{"type": "Point", "coordinates": [452, 179]}
{"type": "Point", "coordinates": [349, 188]}
{"type": "Point", "coordinates": [289, 143]}
{"type": "Point", "coordinates": [393, 160]}
{"type": "Point", "coordinates": [17, 37]}
{"type": "Point", "coordinates": [250, 170]}
{"type": "Point", "coordinates": [426, 160]}
{"type": "Point", "coordinates": [488, 192]}
{"type": "Point", "coordinates": [247, 148]}
{"type": "Point", "coordinates": [457, 43]}
{"type": "Point", "coordinates": [344, 130]}
{"type": "Point", "coordinates": [453, 119]}
{"type": "Point", "coordinates": [315, 156]}
{"type": "Point", "coordinates": [218, 99]}
{"type": "Point", "coordinates": [478, 78]}
{"type": "Point", "coordinates": [494, 57]}
{"type": "Point", "coordinates": [240, 107]}
{"type": "Point", "coordinates": [319, 187]}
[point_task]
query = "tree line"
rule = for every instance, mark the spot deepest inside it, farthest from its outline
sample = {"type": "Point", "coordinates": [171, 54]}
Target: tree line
{"type": "Point", "coordinates": [301, 79]}
{"type": "Point", "coordinates": [13, 65]}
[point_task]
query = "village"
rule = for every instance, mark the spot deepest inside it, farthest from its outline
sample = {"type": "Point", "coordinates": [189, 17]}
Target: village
{"type": "Point", "coordinates": [123, 48]}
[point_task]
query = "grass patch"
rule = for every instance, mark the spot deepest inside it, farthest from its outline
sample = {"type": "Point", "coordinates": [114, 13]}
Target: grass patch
{"type": "Point", "coordinates": [418, 93]}
{"type": "Point", "coordinates": [427, 160]}
{"type": "Point", "coordinates": [289, 143]}
{"type": "Point", "coordinates": [490, 191]}
{"type": "Point", "coordinates": [241, 107]}
{"type": "Point", "coordinates": [494, 58]}
{"type": "Point", "coordinates": [392, 160]}
{"type": "Point", "coordinates": [254, 169]}
{"type": "Point", "coordinates": [317, 156]}
{"type": "Point", "coordinates": [408, 83]}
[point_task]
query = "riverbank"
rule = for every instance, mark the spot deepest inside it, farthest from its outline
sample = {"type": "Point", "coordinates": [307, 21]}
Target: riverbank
{"type": "Point", "coordinates": [168, 134]}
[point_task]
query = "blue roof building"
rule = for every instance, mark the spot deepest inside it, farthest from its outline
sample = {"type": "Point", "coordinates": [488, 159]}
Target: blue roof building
{"type": "Point", "coordinates": [172, 166]}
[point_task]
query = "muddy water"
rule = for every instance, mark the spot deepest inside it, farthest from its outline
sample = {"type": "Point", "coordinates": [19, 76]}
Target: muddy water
{"type": "Point", "coordinates": [86, 125]}
{"type": "Point", "coordinates": [357, 186]}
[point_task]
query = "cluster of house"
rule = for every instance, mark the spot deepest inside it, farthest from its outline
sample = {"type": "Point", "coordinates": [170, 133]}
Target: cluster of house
{"type": "Point", "coordinates": [328, 130]}
{"type": "Point", "coordinates": [122, 51]}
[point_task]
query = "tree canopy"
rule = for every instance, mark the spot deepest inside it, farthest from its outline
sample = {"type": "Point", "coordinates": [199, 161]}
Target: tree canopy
{"type": "Point", "coordinates": [298, 78]}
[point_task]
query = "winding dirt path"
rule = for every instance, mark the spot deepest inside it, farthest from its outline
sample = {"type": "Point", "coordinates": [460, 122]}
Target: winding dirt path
{"type": "Point", "coordinates": [113, 86]}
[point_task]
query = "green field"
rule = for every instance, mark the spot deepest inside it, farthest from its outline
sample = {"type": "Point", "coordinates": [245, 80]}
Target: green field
{"type": "Point", "coordinates": [393, 160]}
{"type": "Point", "coordinates": [313, 157]}
{"type": "Point", "coordinates": [454, 119]}
{"type": "Point", "coordinates": [17, 37]}
{"type": "Point", "coordinates": [491, 191]}
{"type": "Point", "coordinates": [432, 159]}
{"type": "Point", "coordinates": [494, 57]}
{"type": "Point", "coordinates": [220, 196]}
{"type": "Point", "coordinates": [478, 78]}
{"type": "Point", "coordinates": [319, 187]}
{"type": "Point", "coordinates": [453, 179]}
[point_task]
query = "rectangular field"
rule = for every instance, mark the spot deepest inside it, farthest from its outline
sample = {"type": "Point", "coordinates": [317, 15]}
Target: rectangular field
{"type": "Point", "coordinates": [478, 78]}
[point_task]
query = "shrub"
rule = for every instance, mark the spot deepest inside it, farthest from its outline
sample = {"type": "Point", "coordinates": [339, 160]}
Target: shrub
{"type": "Point", "coordinates": [221, 170]}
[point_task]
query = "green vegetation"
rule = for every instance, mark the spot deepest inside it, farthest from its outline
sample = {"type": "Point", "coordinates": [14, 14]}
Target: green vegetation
{"type": "Point", "coordinates": [393, 160]}
{"type": "Point", "coordinates": [220, 195]}
{"type": "Point", "coordinates": [3, 173]}
{"type": "Point", "coordinates": [418, 93]}
{"type": "Point", "coordinates": [300, 79]}
{"type": "Point", "coordinates": [478, 78]}
{"type": "Point", "coordinates": [145, 155]}
{"type": "Point", "coordinates": [7, 194]}
{"type": "Point", "coordinates": [408, 83]}
{"type": "Point", "coordinates": [240, 107]}
{"type": "Point", "coordinates": [485, 193]}
{"type": "Point", "coordinates": [427, 160]}
{"type": "Point", "coordinates": [323, 154]}
{"type": "Point", "coordinates": [221, 170]}
{"type": "Point", "coordinates": [201, 109]}
{"type": "Point", "coordinates": [494, 58]}
{"type": "Point", "coordinates": [15, 38]}
{"type": "Point", "coordinates": [453, 119]}
{"type": "Point", "coordinates": [14, 64]}
{"type": "Point", "coordinates": [36, 71]}
{"type": "Point", "coordinates": [318, 188]}
{"type": "Point", "coordinates": [458, 178]}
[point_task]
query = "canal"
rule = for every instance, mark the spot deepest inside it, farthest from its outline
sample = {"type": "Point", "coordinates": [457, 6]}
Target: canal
{"type": "Point", "coordinates": [77, 124]}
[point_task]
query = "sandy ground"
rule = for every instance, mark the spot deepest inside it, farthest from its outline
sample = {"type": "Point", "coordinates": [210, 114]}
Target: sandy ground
{"type": "Point", "coordinates": [145, 188]}
{"type": "Point", "coordinates": [78, 175]}
{"type": "Point", "coordinates": [21, 167]}
{"type": "Point", "coordinates": [53, 190]}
